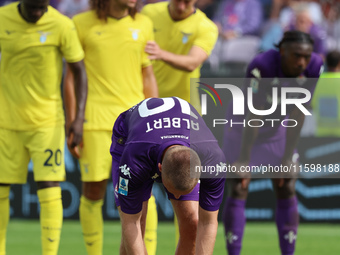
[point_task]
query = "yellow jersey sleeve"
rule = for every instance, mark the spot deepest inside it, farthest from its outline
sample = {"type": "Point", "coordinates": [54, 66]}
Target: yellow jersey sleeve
{"type": "Point", "coordinates": [70, 45]}
{"type": "Point", "coordinates": [206, 36]}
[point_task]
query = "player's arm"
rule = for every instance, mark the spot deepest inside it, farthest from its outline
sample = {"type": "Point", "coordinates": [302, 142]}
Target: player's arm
{"type": "Point", "coordinates": [249, 135]}
{"type": "Point", "coordinates": [69, 98]}
{"type": "Point", "coordinates": [75, 94]}
{"type": "Point", "coordinates": [150, 88]}
{"type": "Point", "coordinates": [132, 238]}
{"type": "Point", "coordinates": [293, 134]}
{"type": "Point", "coordinates": [206, 231]}
{"type": "Point", "coordinates": [189, 62]}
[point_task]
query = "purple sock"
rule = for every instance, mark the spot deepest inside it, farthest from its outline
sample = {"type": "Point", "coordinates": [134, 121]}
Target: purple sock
{"type": "Point", "coordinates": [287, 221]}
{"type": "Point", "coordinates": [234, 221]}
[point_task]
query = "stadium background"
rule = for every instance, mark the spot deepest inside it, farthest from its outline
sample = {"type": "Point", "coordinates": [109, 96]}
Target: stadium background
{"type": "Point", "coordinates": [319, 199]}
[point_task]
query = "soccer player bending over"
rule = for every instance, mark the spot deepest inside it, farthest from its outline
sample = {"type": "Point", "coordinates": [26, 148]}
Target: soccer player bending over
{"type": "Point", "coordinates": [164, 140]}
{"type": "Point", "coordinates": [293, 65]}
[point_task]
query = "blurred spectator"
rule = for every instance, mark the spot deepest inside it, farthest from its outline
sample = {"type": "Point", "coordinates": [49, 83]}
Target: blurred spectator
{"type": "Point", "coordinates": [54, 3]}
{"type": "Point", "coordinates": [326, 99]}
{"type": "Point", "coordinates": [331, 11]}
{"type": "Point", "coordinates": [302, 21]}
{"type": "Point", "coordinates": [273, 30]}
{"type": "Point", "coordinates": [239, 23]}
{"type": "Point", "coordinates": [288, 11]}
{"type": "Point", "coordinates": [235, 18]}
{"type": "Point", "coordinates": [304, 16]}
{"type": "Point", "coordinates": [208, 7]}
{"type": "Point", "coordinates": [4, 2]}
{"type": "Point", "coordinates": [73, 7]}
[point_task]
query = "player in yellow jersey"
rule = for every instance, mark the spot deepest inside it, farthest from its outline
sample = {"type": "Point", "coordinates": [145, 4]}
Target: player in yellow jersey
{"type": "Point", "coordinates": [34, 38]}
{"type": "Point", "coordinates": [113, 36]}
{"type": "Point", "coordinates": [184, 38]}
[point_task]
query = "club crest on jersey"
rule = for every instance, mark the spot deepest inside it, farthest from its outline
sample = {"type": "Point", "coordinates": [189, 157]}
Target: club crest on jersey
{"type": "Point", "coordinates": [185, 37]}
{"type": "Point", "coordinates": [135, 33]}
{"type": "Point", "coordinates": [43, 36]}
{"type": "Point", "coordinates": [123, 186]}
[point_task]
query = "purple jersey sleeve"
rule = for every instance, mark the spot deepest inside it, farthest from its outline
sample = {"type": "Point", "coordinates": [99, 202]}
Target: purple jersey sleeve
{"type": "Point", "coordinates": [211, 189]}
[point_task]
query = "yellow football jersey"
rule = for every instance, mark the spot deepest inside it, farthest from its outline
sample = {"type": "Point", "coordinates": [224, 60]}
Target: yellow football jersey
{"type": "Point", "coordinates": [114, 58]}
{"type": "Point", "coordinates": [178, 37]}
{"type": "Point", "coordinates": [31, 67]}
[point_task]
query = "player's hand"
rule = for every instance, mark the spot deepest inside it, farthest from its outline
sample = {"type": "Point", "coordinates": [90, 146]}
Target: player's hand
{"type": "Point", "coordinates": [75, 137]}
{"type": "Point", "coordinates": [292, 174]}
{"type": "Point", "coordinates": [241, 173]}
{"type": "Point", "coordinates": [154, 51]}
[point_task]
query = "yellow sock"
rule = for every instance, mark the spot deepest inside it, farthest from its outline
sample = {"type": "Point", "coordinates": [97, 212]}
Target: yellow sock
{"type": "Point", "coordinates": [4, 216]}
{"type": "Point", "coordinates": [176, 230]}
{"type": "Point", "coordinates": [150, 237]}
{"type": "Point", "coordinates": [91, 219]}
{"type": "Point", "coordinates": [51, 219]}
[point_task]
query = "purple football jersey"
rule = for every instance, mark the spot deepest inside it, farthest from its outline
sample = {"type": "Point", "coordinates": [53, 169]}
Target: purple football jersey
{"type": "Point", "coordinates": [140, 136]}
{"type": "Point", "coordinates": [263, 74]}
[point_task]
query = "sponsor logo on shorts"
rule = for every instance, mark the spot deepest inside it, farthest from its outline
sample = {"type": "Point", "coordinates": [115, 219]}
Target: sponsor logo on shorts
{"type": "Point", "coordinates": [123, 186]}
{"type": "Point", "coordinates": [125, 170]}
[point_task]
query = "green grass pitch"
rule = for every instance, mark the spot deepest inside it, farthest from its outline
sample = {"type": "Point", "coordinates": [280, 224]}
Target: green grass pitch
{"type": "Point", "coordinates": [23, 237]}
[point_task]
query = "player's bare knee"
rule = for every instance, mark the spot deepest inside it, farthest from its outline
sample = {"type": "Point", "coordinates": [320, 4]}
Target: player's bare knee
{"type": "Point", "coordinates": [94, 190]}
{"type": "Point", "coordinates": [236, 190]}
{"type": "Point", "coordinates": [287, 190]}
{"type": "Point", "coordinates": [188, 227]}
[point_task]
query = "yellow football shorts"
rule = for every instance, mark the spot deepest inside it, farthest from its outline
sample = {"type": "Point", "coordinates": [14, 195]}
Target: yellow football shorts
{"type": "Point", "coordinates": [45, 146]}
{"type": "Point", "coordinates": [95, 159]}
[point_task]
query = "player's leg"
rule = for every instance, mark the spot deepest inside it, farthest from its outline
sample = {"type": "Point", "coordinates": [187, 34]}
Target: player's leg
{"type": "Point", "coordinates": [4, 216]}
{"type": "Point", "coordinates": [14, 159]}
{"type": "Point", "coordinates": [234, 218]}
{"type": "Point", "coordinates": [150, 237]}
{"type": "Point", "coordinates": [122, 249]}
{"type": "Point", "coordinates": [187, 216]}
{"type": "Point", "coordinates": [95, 165]}
{"type": "Point", "coordinates": [186, 211]}
{"type": "Point", "coordinates": [46, 147]}
{"type": "Point", "coordinates": [90, 215]}
{"type": "Point", "coordinates": [233, 214]}
{"type": "Point", "coordinates": [176, 230]}
{"type": "Point", "coordinates": [51, 216]}
{"type": "Point", "coordinates": [287, 215]}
